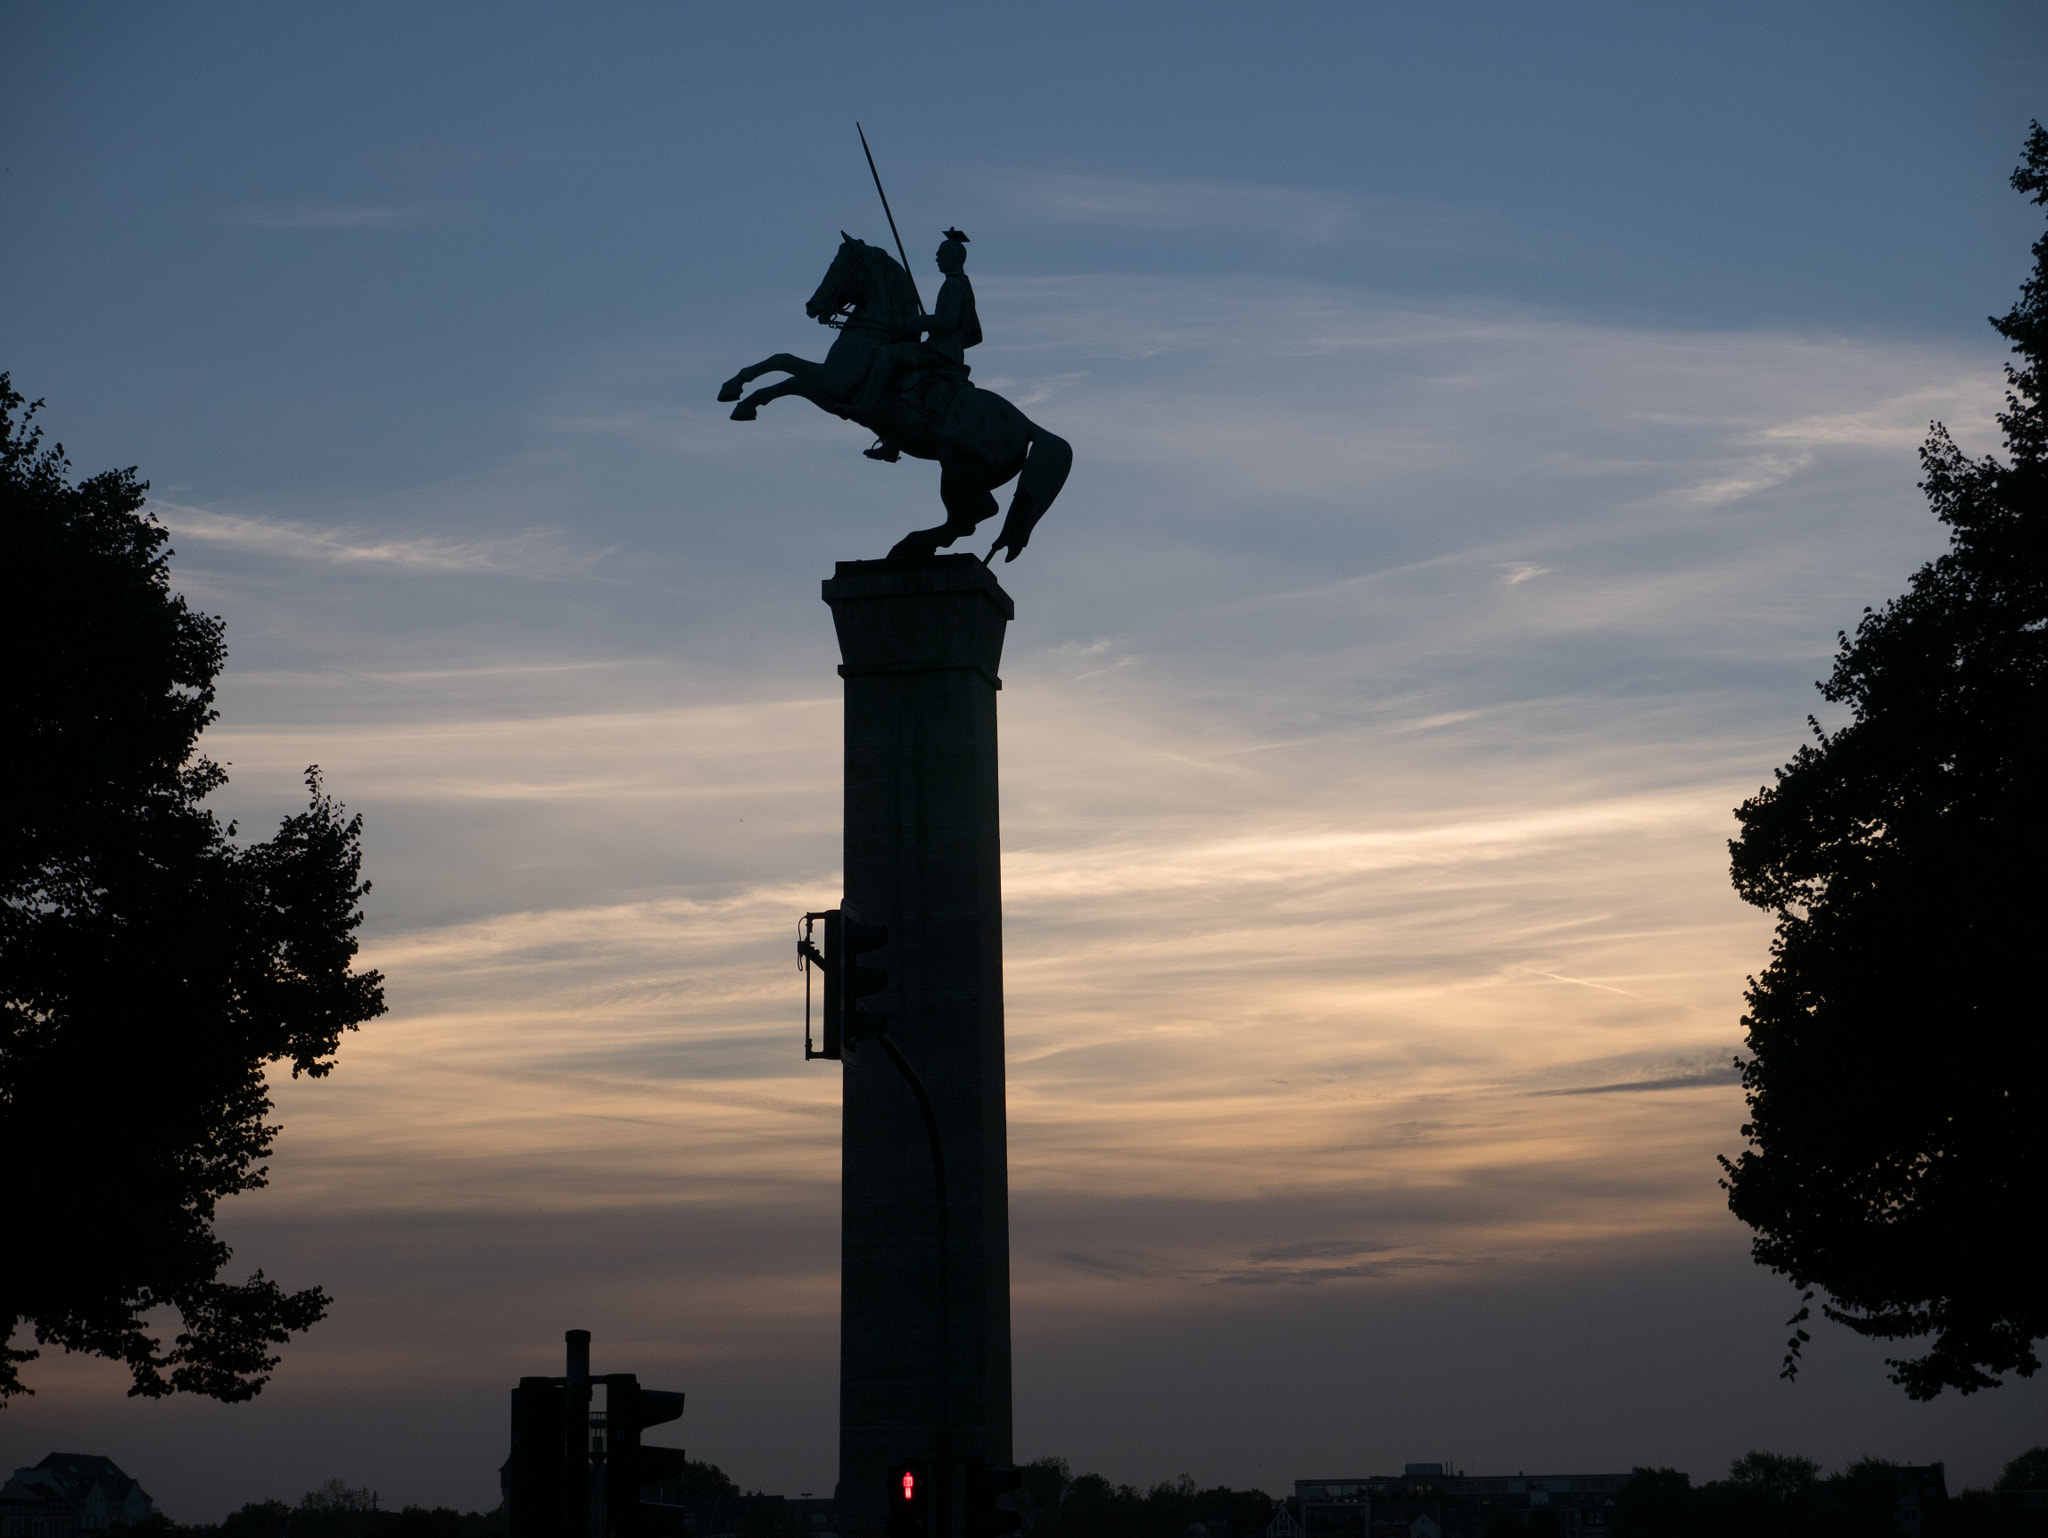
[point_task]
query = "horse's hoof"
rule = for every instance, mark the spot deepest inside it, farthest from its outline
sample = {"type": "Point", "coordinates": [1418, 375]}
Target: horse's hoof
{"type": "Point", "coordinates": [730, 390]}
{"type": "Point", "coordinates": [744, 412]}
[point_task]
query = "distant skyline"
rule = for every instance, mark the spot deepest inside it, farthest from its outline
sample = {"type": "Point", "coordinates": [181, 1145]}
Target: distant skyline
{"type": "Point", "coordinates": [1485, 418]}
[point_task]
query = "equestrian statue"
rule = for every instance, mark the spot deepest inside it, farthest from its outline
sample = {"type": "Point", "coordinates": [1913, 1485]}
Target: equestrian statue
{"type": "Point", "coordinates": [903, 375]}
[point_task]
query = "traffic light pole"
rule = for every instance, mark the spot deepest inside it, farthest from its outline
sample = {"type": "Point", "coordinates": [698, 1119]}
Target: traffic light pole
{"type": "Point", "coordinates": [556, 1440]}
{"type": "Point", "coordinates": [576, 1445]}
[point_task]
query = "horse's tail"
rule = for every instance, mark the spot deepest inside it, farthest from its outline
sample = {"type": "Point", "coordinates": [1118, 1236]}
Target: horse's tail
{"type": "Point", "coordinates": [1047, 459]}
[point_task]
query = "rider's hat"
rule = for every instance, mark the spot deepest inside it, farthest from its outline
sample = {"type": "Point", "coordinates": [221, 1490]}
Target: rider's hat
{"type": "Point", "coordinates": [959, 235]}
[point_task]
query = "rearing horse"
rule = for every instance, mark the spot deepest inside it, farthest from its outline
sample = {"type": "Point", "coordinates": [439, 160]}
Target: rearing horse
{"type": "Point", "coordinates": [979, 439]}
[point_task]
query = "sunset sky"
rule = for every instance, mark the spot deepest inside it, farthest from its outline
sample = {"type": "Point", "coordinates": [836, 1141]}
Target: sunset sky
{"type": "Point", "coordinates": [1485, 417]}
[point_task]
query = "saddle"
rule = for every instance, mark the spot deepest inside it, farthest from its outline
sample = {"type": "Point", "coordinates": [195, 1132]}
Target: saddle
{"type": "Point", "coordinates": [930, 391]}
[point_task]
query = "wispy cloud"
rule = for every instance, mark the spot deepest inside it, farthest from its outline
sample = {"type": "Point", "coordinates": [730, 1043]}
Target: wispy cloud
{"type": "Point", "coordinates": [1366, 786]}
{"type": "Point", "coordinates": [1381, 687]}
{"type": "Point", "coordinates": [1227, 208]}
{"type": "Point", "coordinates": [1296, 391]}
{"type": "Point", "coordinates": [1350, 1271]}
{"type": "Point", "coordinates": [536, 553]}
{"type": "Point", "coordinates": [1108, 1266]}
{"type": "Point", "coordinates": [1703, 1078]}
{"type": "Point", "coordinates": [1900, 422]}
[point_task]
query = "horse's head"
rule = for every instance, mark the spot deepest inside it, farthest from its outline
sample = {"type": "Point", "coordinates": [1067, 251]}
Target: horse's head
{"type": "Point", "coordinates": [843, 286]}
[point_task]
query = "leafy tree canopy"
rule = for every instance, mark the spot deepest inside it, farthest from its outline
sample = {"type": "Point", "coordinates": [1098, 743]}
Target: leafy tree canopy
{"type": "Point", "coordinates": [1898, 1157]}
{"type": "Point", "coordinates": [151, 965]}
{"type": "Point", "coordinates": [257, 1519]}
{"type": "Point", "coordinates": [1657, 1503]}
{"type": "Point", "coordinates": [1767, 1495]}
{"type": "Point", "coordinates": [1773, 1476]}
{"type": "Point", "coordinates": [1062, 1504]}
{"type": "Point", "coordinates": [2029, 1471]}
{"type": "Point", "coordinates": [338, 1509]}
{"type": "Point", "coordinates": [700, 1481]}
{"type": "Point", "coordinates": [338, 1495]}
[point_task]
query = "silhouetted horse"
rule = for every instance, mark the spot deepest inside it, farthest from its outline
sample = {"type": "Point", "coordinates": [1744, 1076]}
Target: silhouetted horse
{"type": "Point", "coordinates": [979, 439]}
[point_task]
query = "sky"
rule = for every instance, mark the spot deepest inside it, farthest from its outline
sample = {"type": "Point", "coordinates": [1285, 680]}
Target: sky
{"type": "Point", "coordinates": [1485, 417]}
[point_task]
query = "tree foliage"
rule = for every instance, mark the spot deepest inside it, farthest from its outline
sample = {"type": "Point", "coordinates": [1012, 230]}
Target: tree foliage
{"type": "Point", "coordinates": [1898, 1157]}
{"type": "Point", "coordinates": [1658, 1503]}
{"type": "Point", "coordinates": [699, 1481]}
{"type": "Point", "coordinates": [1061, 1504]}
{"type": "Point", "coordinates": [336, 1510]}
{"type": "Point", "coordinates": [151, 965]}
{"type": "Point", "coordinates": [257, 1519]}
{"type": "Point", "coordinates": [1769, 1495]}
{"type": "Point", "coordinates": [2029, 1471]}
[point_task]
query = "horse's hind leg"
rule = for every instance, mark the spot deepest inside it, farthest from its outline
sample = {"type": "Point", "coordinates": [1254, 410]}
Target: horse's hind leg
{"type": "Point", "coordinates": [967, 501]}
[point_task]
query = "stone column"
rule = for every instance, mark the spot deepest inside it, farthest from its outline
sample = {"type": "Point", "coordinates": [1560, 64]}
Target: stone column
{"type": "Point", "coordinates": [921, 639]}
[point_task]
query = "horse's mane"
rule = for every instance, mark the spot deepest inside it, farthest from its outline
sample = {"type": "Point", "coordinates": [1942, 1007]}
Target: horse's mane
{"type": "Point", "coordinates": [898, 292]}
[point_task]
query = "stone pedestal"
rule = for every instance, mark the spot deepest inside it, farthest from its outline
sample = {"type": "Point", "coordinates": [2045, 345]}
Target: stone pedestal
{"type": "Point", "coordinates": [921, 641]}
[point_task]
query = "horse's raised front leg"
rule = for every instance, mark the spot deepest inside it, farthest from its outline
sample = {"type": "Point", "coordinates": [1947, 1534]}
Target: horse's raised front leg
{"type": "Point", "coordinates": [781, 363]}
{"type": "Point", "coordinates": [746, 409]}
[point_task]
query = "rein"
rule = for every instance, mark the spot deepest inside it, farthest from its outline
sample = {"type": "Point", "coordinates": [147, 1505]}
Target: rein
{"type": "Point", "coordinates": [871, 323]}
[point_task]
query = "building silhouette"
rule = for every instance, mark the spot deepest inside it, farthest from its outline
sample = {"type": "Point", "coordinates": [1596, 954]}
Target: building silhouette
{"type": "Point", "coordinates": [71, 1493]}
{"type": "Point", "coordinates": [1428, 1500]}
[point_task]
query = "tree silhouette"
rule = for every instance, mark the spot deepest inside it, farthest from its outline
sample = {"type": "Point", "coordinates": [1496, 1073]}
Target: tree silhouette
{"type": "Point", "coordinates": [2029, 1471]}
{"type": "Point", "coordinates": [150, 964]}
{"type": "Point", "coordinates": [257, 1519]}
{"type": "Point", "coordinates": [339, 1510]}
{"type": "Point", "coordinates": [1657, 1503]}
{"type": "Point", "coordinates": [1061, 1504]}
{"type": "Point", "coordinates": [1766, 1495]}
{"type": "Point", "coordinates": [1898, 1155]}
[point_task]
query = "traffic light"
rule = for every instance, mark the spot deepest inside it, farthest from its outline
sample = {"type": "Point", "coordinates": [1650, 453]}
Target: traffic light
{"type": "Point", "coordinates": [910, 1500]}
{"type": "Point", "coordinates": [533, 1474]}
{"type": "Point", "coordinates": [994, 1493]}
{"type": "Point", "coordinates": [628, 1410]}
{"type": "Point", "coordinates": [863, 974]}
{"type": "Point", "coordinates": [854, 964]}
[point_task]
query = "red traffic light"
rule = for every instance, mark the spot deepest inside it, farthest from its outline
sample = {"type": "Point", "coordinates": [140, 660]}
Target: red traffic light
{"type": "Point", "coordinates": [910, 1492]}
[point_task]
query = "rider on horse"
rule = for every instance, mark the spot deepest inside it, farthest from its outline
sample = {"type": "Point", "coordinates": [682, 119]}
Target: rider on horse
{"type": "Point", "coordinates": [952, 328]}
{"type": "Point", "coordinates": [980, 440]}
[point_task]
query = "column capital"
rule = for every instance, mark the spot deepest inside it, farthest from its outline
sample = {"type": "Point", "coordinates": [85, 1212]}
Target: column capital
{"type": "Point", "coordinates": [923, 615]}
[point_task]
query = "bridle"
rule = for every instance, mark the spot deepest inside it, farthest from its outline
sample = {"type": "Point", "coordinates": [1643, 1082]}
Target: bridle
{"type": "Point", "coordinates": [842, 309]}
